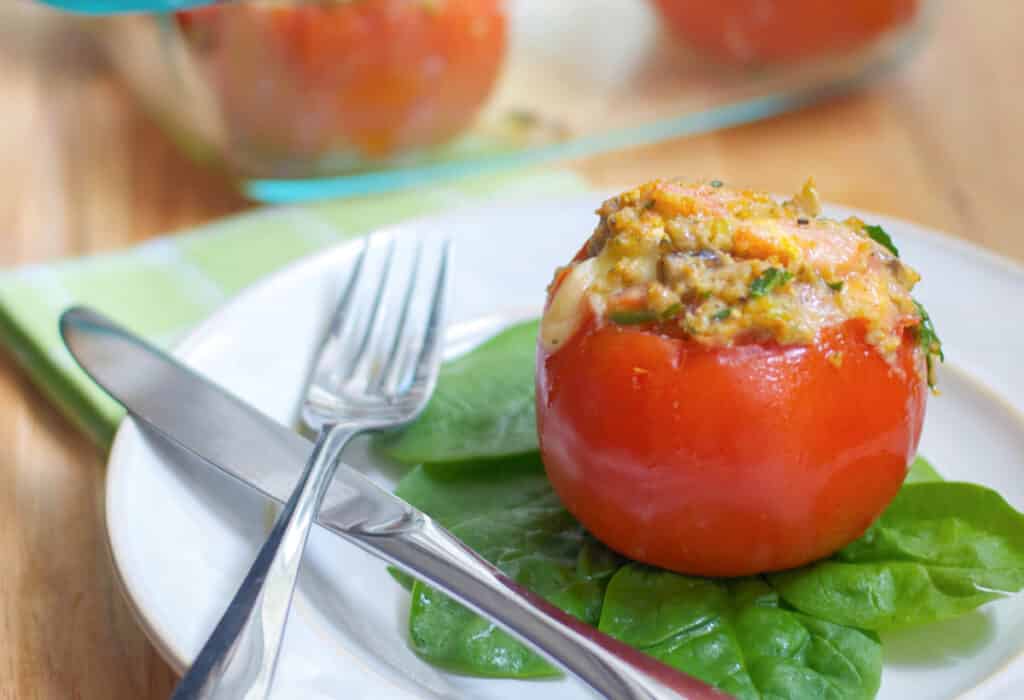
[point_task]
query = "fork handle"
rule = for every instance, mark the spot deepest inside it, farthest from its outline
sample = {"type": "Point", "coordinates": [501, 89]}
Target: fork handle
{"type": "Point", "coordinates": [427, 551]}
{"type": "Point", "coordinates": [239, 658]}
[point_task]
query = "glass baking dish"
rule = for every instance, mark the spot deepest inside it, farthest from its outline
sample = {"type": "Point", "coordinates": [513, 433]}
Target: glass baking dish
{"type": "Point", "coordinates": [306, 99]}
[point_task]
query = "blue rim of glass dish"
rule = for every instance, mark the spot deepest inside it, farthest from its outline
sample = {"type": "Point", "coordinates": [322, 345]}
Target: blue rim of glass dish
{"type": "Point", "coordinates": [111, 7]}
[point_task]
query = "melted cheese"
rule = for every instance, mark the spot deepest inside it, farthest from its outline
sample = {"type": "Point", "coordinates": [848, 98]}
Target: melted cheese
{"type": "Point", "coordinates": [565, 312]}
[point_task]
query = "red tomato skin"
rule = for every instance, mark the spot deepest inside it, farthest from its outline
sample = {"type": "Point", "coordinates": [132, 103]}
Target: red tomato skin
{"type": "Point", "coordinates": [728, 461]}
{"type": "Point", "coordinates": [753, 31]}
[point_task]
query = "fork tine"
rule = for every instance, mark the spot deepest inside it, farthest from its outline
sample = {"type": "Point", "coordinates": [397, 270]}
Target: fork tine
{"type": "Point", "coordinates": [424, 369]}
{"type": "Point", "coordinates": [327, 357]}
{"type": "Point", "coordinates": [383, 378]}
{"type": "Point", "coordinates": [363, 337]}
{"type": "Point", "coordinates": [377, 369]}
{"type": "Point", "coordinates": [342, 307]}
{"type": "Point", "coordinates": [325, 363]}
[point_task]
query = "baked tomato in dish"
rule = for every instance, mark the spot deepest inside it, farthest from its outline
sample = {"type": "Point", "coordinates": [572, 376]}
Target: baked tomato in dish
{"type": "Point", "coordinates": [367, 78]}
{"type": "Point", "coordinates": [758, 31]}
{"type": "Point", "coordinates": [727, 385]}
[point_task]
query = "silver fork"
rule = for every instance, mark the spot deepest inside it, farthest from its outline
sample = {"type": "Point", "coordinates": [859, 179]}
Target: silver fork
{"type": "Point", "coordinates": [371, 373]}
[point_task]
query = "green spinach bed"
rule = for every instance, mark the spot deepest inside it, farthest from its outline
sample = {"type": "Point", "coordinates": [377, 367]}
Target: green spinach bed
{"type": "Point", "coordinates": [940, 549]}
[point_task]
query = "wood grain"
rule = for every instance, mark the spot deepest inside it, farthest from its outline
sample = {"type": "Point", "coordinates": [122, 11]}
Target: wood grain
{"type": "Point", "coordinates": [83, 170]}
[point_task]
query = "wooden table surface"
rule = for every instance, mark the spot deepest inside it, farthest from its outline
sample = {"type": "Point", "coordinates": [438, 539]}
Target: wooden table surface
{"type": "Point", "coordinates": [83, 169]}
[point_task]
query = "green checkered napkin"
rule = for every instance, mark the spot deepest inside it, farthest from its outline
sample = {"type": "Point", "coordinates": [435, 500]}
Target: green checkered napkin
{"type": "Point", "coordinates": [163, 287]}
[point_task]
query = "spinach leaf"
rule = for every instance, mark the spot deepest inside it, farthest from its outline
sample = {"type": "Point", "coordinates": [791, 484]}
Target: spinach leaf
{"type": "Point", "coordinates": [508, 513]}
{"type": "Point", "coordinates": [929, 342]}
{"type": "Point", "coordinates": [736, 635]}
{"type": "Point", "coordinates": [939, 550]}
{"type": "Point", "coordinates": [921, 470]}
{"type": "Point", "coordinates": [879, 235]}
{"type": "Point", "coordinates": [483, 405]}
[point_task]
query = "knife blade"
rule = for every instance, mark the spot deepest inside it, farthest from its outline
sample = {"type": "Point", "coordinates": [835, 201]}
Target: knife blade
{"type": "Point", "coordinates": [197, 415]}
{"type": "Point", "coordinates": [204, 419]}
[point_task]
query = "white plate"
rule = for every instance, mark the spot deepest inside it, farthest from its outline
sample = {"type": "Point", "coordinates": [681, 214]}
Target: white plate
{"type": "Point", "coordinates": [182, 536]}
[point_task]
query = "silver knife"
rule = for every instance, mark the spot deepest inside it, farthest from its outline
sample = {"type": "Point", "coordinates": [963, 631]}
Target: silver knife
{"type": "Point", "coordinates": [204, 419]}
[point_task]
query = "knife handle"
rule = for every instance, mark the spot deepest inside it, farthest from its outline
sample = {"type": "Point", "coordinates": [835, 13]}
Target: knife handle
{"type": "Point", "coordinates": [427, 551]}
{"type": "Point", "coordinates": [238, 660]}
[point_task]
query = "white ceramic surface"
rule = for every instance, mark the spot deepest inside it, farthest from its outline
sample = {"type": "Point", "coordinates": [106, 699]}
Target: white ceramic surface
{"type": "Point", "coordinates": [182, 536]}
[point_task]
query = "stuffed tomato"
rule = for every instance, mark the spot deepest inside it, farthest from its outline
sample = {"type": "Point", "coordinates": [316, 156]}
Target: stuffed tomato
{"type": "Point", "coordinates": [355, 82]}
{"type": "Point", "coordinates": [729, 385]}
